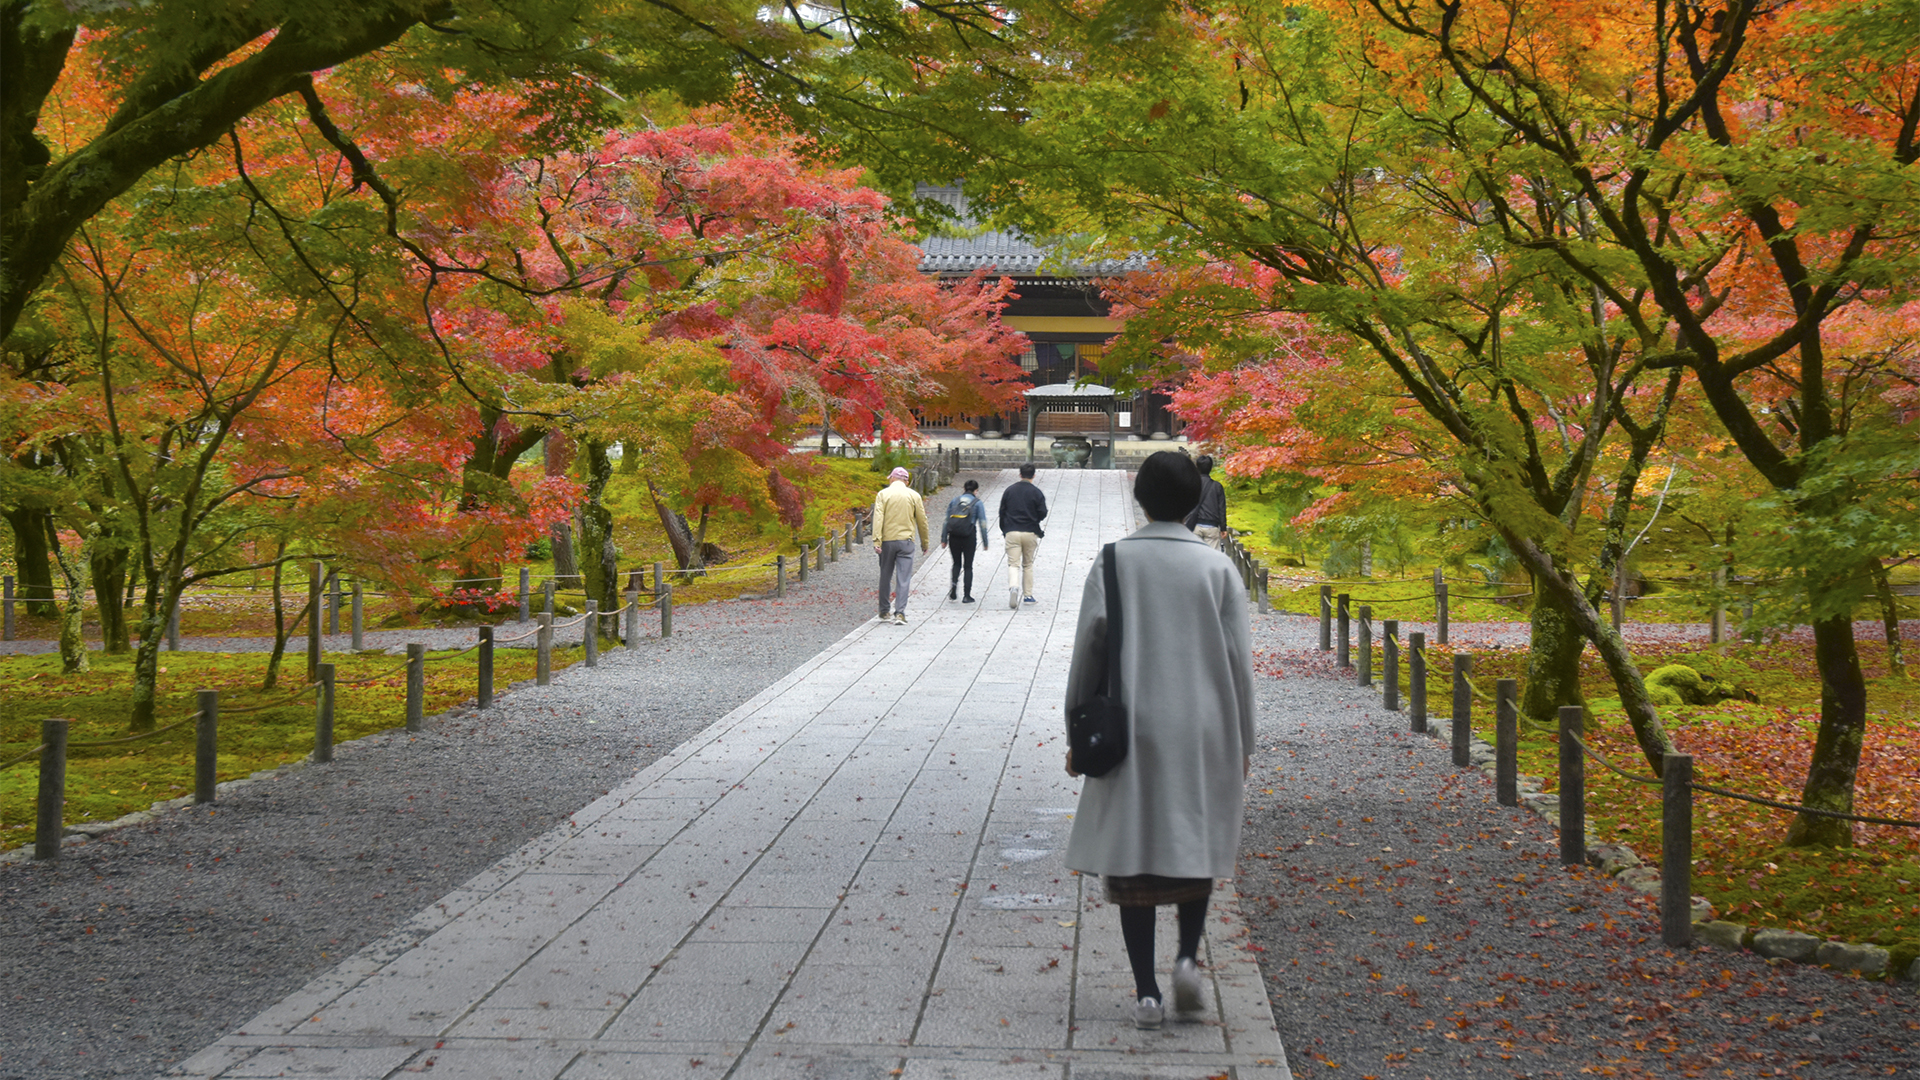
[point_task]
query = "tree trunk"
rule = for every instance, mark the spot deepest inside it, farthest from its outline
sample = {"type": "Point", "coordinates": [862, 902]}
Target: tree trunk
{"type": "Point", "coordinates": [1843, 728]}
{"type": "Point", "coordinates": [1890, 618]}
{"type": "Point", "coordinates": [1647, 731]}
{"type": "Point", "coordinates": [483, 482]}
{"type": "Point", "coordinates": [31, 557]}
{"type": "Point", "coordinates": [1553, 662]}
{"type": "Point", "coordinates": [685, 554]}
{"type": "Point", "coordinates": [596, 531]}
{"type": "Point", "coordinates": [73, 567]}
{"type": "Point", "coordinates": [558, 453]}
{"type": "Point", "coordinates": [108, 568]}
{"type": "Point", "coordinates": [629, 459]}
{"type": "Point", "coordinates": [279, 621]}
{"type": "Point", "coordinates": [146, 657]}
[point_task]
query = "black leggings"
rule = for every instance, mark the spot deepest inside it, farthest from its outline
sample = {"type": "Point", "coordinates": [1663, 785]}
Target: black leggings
{"type": "Point", "coordinates": [1136, 929]}
{"type": "Point", "coordinates": [962, 548]}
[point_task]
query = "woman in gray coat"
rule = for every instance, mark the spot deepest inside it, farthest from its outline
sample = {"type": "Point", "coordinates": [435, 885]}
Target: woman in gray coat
{"type": "Point", "coordinates": [1163, 824]}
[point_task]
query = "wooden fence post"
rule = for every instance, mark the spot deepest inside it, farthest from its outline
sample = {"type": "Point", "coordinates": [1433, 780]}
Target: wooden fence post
{"type": "Point", "coordinates": [590, 640]}
{"type": "Point", "coordinates": [50, 815]}
{"type": "Point", "coordinates": [323, 716]}
{"type": "Point", "coordinates": [1440, 613]}
{"type": "Point", "coordinates": [831, 549]}
{"type": "Point", "coordinates": [1366, 646]}
{"type": "Point", "coordinates": [543, 650]}
{"type": "Point", "coordinates": [1343, 620]}
{"type": "Point", "coordinates": [666, 612]}
{"type": "Point", "coordinates": [6, 609]}
{"type": "Point", "coordinates": [1462, 708]}
{"type": "Point", "coordinates": [779, 576]}
{"type": "Point", "coordinates": [526, 601]}
{"type": "Point", "coordinates": [1417, 682]}
{"type": "Point", "coordinates": [546, 597]}
{"type": "Point", "coordinates": [1390, 657]}
{"type": "Point", "coordinates": [483, 693]}
{"type": "Point", "coordinates": [1506, 743]}
{"type": "Point", "coordinates": [820, 556]}
{"type": "Point", "coordinates": [1266, 598]}
{"type": "Point", "coordinates": [357, 622]}
{"type": "Point", "coordinates": [659, 578]}
{"type": "Point", "coordinates": [803, 564]}
{"type": "Point", "coordinates": [633, 620]}
{"type": "Point", "coordinates": [416, 685]}
{"type": "Point", "coordinates": [1676, 850]}
{"type": "Point", "coordinates": [206, 745]}
{"type": "Point", "coordinates": [1573, 789]}
{"type": "Point", "coordinates": [1326, 618]}
{"type": "Point", "coordinates": [333, 602]}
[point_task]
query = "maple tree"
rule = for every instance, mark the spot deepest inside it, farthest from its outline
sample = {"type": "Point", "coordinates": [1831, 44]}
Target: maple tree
{"type": "Point", "coordinates": [1684, 193]}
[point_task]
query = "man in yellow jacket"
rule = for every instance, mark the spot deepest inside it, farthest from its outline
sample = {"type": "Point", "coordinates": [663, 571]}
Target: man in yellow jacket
{"type": "Point", "coordinates": [898, 512]}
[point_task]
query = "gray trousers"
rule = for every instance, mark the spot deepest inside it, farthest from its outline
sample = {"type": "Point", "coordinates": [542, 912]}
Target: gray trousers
{"type": "Point", "coordinates": [896, 573]}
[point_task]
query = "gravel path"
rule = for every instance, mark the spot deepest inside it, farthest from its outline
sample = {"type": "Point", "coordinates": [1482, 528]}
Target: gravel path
{"type": "Point", "coordinates": [140, 948]}
{"type": "Point", "coordinates": [1411, 927]}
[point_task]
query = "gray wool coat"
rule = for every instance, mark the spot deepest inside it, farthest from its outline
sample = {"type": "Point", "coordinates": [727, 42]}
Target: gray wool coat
{"type": "Point", "coordinates": [1174, 806]}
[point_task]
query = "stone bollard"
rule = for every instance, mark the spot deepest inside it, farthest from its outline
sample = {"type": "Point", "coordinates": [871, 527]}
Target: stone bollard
{"type": "Point", "coordinates": [666, 611]}
{"type": "Point", "coordinates": [416, 685]}
{"type": "Point", "coordinates": [323, 716]}
{"type": "Point", "coordinates": [637, 581]}
{"type": "Point", "coordinates": [1506, 743]}
{"type": "Point", "coordinates": [543, 650]}
{"type": "Point", "coordinates": [483, 692]}
{"type": "Point", "coordinates": [1676, 850]}
{"type": "Point", "coordinates": [1343, 622]}
{"type": "Point", "coordinates": [333, 602]}
{"type": "Point", "coordinates": [6, 610]}
{"type": "Point", "coordinates": [316, 574]}
{"type": "Point", "coordinates": [50, 810]}
{"type": "Point", "coordinates": [1573, 789]}
{"type": "Point", "coordinates": [1366, 646]}
{"type": "Point", "coordinates": [206, 745]}
{"type": "Point", "coordinates": [1440, 614]}
{"type": "Point", "coordinates": [1417, 682]}
{"type": "Point", "coordinates": [633, 620]}
{"type": "Point", "coordinates": [1462, 708]}
{"type": "Point", "coordinates": [526, 604]}
{"type": "Point", "coordinates": [590, 639]}
{"type": "Point", "coordinates": [779, 576]}
{"type": "Point", "coordinates": [358, 621]}
{"type": "Point", "coordinates": [1390, 657]}
{"type": "Point", "coordinates": [1326, 618]}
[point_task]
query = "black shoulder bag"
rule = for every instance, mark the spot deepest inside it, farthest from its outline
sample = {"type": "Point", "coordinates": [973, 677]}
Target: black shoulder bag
{"type": "Point", "coordinates": [1097, 727]}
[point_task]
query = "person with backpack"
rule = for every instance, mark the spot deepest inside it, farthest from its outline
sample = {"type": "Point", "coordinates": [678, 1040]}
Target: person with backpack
{"type": "Point", "coordinates": [966, 521]}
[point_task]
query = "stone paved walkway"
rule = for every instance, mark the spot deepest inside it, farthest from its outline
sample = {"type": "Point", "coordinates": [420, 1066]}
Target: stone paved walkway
{"type": "Point", "coordinates": [857, 874]}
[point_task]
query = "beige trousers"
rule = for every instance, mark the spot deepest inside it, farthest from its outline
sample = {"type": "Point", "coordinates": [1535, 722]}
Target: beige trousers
{"type": "Point", "coordinates": [1021, 549]}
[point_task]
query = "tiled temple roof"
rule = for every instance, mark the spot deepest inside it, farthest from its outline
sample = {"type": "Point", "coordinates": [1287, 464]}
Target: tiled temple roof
{"type": "Point", "coordinates": [1005, 252]}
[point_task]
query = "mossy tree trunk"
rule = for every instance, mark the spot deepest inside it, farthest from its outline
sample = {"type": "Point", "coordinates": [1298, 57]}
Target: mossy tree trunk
{"type": "Point", "coordinates": [1843, 720]}
{"type": "Point", "coordinates": [32, 558]}
{"type": "Point", "coordinates": [1553, 663]}
{"type": "Point", "coordinates": [108, 568]}
{"type": "Point", "coordinates": [73, 566]}
{"type": "Point", "coordinates": [1889, 618]}
{"type": "Point", "coordinates": [484, 482]}
{"type": "Point", "coordinates": [601, 566]}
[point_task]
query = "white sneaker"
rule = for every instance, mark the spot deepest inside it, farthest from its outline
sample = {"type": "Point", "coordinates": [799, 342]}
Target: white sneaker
{"type": "Point", "coordinates": [1013, 598]}
{"type": "Point", "coordinates": [900, 618]}
{"type": "Point", "coordinates": [1148, 1014]}
{"type": "Point", "coordinates": [1186, 987]}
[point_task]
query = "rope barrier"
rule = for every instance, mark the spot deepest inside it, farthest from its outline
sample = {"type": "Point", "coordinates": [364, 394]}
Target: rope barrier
{"type": "Point", "coordinates": [516, 637]}
{"type": "Point", "coordinates": [10, 763]}
{"type": "Point", "coordinates": [1743, 797]}
{"type": "Point", "coordinates": [388, 674]}
{"type": "Point", "coordinates": [452, 655]}
{"type": "Point", "coordinates": [295, 696]}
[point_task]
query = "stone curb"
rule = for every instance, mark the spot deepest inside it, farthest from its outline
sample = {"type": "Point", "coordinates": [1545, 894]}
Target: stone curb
{"type": "Point", "coordinates": [1619, 862]}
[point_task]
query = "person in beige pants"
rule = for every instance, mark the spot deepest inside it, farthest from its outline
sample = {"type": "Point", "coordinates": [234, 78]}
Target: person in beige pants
{"type": "Point", "coordinates": [1023, 506]}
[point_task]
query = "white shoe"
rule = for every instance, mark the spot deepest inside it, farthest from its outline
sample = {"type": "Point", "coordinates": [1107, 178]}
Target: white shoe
{"type": "Point", "coordinates": [900, 618]}
{"type": "Point", "coordinates": [1148, 1013]}
{"type": "Point", "coordinates": [1013, 599]}
{"type": "Point", "coordinates": [1186, 987]}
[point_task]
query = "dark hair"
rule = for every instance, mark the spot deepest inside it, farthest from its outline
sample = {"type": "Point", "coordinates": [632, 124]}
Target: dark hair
{"type": "Point", "coordinates": [1026, 471]}
{"type": "Point", "coordinates": [1167, 486]}
{"type": "Point", "coordinates": [1204, 463]}
{"type": "Point", "coordinates": [971, 485]}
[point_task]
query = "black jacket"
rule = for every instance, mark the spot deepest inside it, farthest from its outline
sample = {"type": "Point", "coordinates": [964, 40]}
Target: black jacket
{"type": "Point", "coordinates": [1022, 508]}
{"type": "Point", "coordinates": [1212, 508]}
